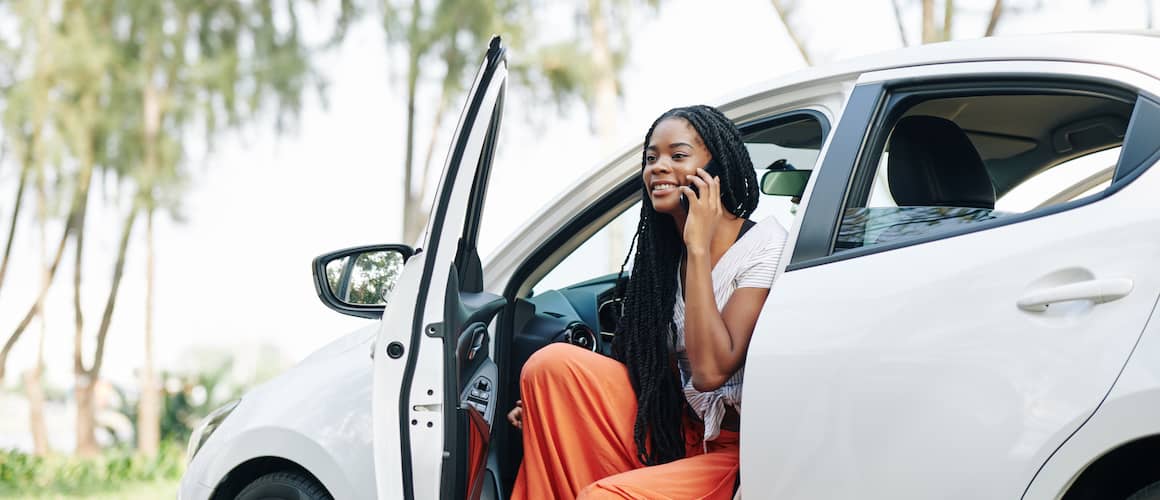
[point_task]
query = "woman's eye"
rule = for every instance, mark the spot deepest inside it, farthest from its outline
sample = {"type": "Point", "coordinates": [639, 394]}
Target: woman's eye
{"type": "Point", "coordinates": [650, 158]}
{"type": "Point", "coordinates": [678, 156]}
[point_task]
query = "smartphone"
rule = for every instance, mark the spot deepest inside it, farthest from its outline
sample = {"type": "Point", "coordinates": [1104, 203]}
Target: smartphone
{"type": "Point", "coordinates": [710, 168]}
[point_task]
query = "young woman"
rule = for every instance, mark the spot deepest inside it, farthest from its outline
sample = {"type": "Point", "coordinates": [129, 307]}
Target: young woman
{"type": "Point", "coordinates": [661, 420]}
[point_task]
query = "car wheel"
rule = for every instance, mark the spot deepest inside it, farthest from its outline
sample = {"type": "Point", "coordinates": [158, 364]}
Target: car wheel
{"type": "Point", "coordinates": [1150, 492]}
{"type": "Point", "coordinates": [284, 486]}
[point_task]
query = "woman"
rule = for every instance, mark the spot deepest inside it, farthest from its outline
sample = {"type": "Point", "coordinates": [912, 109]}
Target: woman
{"type": "Point", "coordinates": [661, 420]}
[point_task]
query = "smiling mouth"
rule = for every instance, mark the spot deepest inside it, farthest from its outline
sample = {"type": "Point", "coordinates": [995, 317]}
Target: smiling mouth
{"type": "Point", "coordinates": [663, 187]}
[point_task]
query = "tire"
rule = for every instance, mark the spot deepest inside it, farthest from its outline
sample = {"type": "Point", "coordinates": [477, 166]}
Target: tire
{"type": "Point", "coordinates": [1150, 492]}
{"type": "Point", "coordinates": [284, 486]}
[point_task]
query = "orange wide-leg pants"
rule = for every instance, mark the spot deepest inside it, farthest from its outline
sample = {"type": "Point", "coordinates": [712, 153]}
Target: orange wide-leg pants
{"type": "Point", "coordinates": [579, 410]}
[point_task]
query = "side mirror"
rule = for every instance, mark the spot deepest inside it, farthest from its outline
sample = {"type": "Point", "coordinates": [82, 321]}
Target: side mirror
{"type": "Point", "coordinates": [785, 182]}
{"type": "Point", "coordinates": [358, 281]}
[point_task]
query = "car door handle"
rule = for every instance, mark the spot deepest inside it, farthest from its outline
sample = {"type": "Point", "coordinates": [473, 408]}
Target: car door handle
{"type": "Point", "coordinates": [1097, 291]}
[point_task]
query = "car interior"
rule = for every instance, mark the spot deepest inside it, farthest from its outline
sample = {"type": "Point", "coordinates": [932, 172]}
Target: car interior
{"type": "Point", "coordinates": [948, 160]}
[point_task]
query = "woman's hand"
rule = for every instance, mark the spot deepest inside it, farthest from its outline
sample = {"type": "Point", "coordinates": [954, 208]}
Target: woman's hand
{"type": "Point", "coordinates": [516, 416]}
{"type": "Point", "coordinates": [704, 211]}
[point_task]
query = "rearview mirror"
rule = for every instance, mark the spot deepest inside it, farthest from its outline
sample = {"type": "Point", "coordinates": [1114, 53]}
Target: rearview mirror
{"type": "Point", "coordinates": [785, 182]}
{"type": "Point", "coordinates": [359, 281]}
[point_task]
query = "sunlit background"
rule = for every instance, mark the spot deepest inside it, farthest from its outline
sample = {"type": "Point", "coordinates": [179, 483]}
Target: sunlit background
{"type": "Point", "coordinates": [240, 210]}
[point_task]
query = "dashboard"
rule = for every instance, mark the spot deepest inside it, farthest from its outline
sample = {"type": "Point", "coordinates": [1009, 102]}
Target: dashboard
{"type": "Point", "coordinates": [583, 314]}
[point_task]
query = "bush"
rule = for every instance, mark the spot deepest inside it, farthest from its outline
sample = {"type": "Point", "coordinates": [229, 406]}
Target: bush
{"type": "Point", "coordinates": [27, 474]}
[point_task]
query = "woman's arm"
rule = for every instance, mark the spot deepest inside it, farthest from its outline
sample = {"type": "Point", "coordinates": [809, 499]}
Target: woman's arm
{"type": "Point", "coordinates": [716, 342]}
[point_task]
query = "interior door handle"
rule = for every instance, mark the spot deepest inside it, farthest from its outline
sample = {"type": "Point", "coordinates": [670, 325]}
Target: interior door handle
{"type": "Point", "coordinates": [1097, 291]}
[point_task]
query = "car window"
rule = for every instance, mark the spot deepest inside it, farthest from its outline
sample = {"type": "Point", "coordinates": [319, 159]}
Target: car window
{"type": "Point", "coordinates": [951, 162]}
{"type": "Point", "coordinates": [601, 254]}
{"type": "Point", "coordinates": [790, 143]}
{"type": "Point", "coordinates": [1071, 180]}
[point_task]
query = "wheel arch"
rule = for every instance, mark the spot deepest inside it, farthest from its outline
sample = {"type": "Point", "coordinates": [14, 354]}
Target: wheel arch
{"type": "Point", "coordinates": [270, 449]}
{"type": "Point", "coordinates": [249, 471]}
{"type": "Point", "coordinates": [1119, 472]}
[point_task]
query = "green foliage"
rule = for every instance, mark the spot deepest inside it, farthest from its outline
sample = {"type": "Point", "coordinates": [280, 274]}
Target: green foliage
{"type": "Point", "coordinates": [27, 475]}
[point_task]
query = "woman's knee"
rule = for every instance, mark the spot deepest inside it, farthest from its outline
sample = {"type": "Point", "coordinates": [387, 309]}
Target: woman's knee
{"type": "Point", "coordinates": [550, 359]}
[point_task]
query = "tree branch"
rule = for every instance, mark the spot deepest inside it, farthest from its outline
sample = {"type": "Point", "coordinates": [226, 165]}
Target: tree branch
{"type": "Point", "coordinates": [57, 257]}
{"type": "Point", "coordinates": [111, 300]}
{"type": "Point", "coordinates": [24, 171]}
{"type": "Point", "coordinates": [785, 12]}
{"type": "Point", "coordinates": [901, 25]}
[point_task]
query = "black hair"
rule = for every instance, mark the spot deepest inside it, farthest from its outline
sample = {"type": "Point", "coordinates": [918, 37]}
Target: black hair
{"type": "Point", "coordinates": [646, 335]}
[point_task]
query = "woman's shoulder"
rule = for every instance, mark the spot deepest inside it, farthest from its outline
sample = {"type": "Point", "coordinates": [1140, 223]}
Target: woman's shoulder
{"type": "Point", "coordinates": [770, 232]}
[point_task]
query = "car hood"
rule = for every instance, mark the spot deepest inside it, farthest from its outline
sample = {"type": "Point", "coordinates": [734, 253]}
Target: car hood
{"type": "Point", "coordinates": [361, 337]}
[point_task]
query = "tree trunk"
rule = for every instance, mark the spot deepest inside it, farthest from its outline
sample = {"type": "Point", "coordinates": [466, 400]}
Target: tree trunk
{"type": "Point", "coordinates": [413, 216]}
{"type": "Point", "coordinates": [84, 394]}
{"type": "Point", "coordinates": [35, 392]}
{"type": "Point", "coordinates": [78, 309]}
{"type": "Point", "coordinates": [605, 110]}
{"type": "Point", "coordinates": [80, 198]}
{"type": "Point", "coordinates": [784, 12]}
{"type": "Point", "coordinates": [111, 299]}
{"type": "Point", "coordinates": [149, 411]}
{"type": "Point", "coordinates": [928, 30]}
{"type": "Point", "coordinates": [437, 121]}
{"type": "Point", "coordinates": [149, 404]}
{"type": "Point", "coordinates": [948, 19]}
{"type": "Point", "coordinates": [412, 202]}
{"type": "Point", "coordinates": [33, 381]}
{"type": "Point", "coordinates": [996, 13]}
{"type": "Point", "coordinates": [24, 171]}
{"type": "Point", "coordinates": [901, 25]}
{"type": "Point", "coordinates": [87, 379]}
{"type": "Point", "coordinates": [86, 438]}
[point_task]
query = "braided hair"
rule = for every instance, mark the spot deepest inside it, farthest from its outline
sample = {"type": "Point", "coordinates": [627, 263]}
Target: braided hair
{"type": "Point", "coordinates": [646, 334]}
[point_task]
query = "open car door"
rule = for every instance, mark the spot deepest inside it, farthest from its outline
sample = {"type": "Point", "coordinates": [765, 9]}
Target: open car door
{"type": "Point", "coordinates": [434, 382]}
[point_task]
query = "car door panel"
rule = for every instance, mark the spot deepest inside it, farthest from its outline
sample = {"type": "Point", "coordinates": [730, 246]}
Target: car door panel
{"type": "Point", "coordinates": [467, 317]}
{"type": "Point", "coordinates": [914, 373]}
{"type": "Point", "coordinates": [422, 426]}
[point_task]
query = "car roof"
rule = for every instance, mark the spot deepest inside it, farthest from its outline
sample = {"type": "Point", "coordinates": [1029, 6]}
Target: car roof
{"type": "Point", "coordinates": [1129, 49]}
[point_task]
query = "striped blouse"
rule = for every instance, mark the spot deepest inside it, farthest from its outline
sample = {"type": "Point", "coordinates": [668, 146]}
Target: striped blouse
{"type": "Point", "coordinates": [750, 263]}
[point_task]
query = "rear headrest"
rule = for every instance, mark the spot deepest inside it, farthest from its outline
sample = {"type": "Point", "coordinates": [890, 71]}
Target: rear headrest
{"type": "Point", "coordinates": [933, 163]}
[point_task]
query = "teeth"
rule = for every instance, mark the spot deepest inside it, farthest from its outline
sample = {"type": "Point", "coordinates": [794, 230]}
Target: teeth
{"type": "Point", "coordinates": [660, 187]}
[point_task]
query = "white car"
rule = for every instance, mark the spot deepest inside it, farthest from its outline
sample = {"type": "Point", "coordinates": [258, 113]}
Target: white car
{"type": "Point", "coordinates": [963, 310]}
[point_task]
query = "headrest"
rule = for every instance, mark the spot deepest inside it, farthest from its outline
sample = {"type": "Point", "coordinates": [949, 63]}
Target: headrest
{"type": "Point", "coordinates": [933, 163]}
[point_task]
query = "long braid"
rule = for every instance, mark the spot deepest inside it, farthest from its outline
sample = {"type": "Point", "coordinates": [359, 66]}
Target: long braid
{"type": "Point", "coordinates": [646, 335]}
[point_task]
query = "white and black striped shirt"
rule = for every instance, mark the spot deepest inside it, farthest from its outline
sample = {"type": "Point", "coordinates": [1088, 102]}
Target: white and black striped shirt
{"type": "Point", "coordinates": [750, 263]}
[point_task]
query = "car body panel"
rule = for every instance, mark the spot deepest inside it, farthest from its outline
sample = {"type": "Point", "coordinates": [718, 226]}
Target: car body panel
{"type": "Point", "coordinates": [284, 418]}
{"type": "Point", "coordinates": [930, 382]}
{"type": "Point", "coordinates": [1127, 413]}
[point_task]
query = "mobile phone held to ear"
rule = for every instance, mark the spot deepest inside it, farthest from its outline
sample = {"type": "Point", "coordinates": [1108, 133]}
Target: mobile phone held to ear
{"type": "Point", "coordinates": [711, 169]}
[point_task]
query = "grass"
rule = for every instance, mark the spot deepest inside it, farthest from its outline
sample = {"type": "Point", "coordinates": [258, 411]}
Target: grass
{"type": "Point", "coordinates": [153, 490]}
{"type": "Point", "coordinates": [115, 473]}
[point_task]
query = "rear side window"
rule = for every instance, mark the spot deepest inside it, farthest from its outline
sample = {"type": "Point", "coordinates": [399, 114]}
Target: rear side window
{"type": "Point", "coordinates": [949, 160]}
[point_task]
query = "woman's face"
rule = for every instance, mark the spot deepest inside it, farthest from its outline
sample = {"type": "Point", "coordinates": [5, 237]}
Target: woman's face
{"type": "Point", "coordinates": [674, 152]}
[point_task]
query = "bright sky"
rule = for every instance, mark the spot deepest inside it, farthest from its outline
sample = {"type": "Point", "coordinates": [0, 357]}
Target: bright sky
{"type": "Point", "coordinates": [236, 274]}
